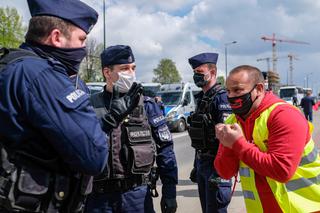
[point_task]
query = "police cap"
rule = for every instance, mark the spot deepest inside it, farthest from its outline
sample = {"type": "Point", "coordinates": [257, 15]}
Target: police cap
{"type": "Point", "coordinates": [203, 58]}
{"type": "Point", "coordinates": [118, 54]}
{"type": "Point", "coordinates": [74, 11]}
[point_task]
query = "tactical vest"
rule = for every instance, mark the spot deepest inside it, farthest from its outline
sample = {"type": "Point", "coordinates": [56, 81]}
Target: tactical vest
{"type": "Point", "coordinates": [201, 130]}
{"type": "Point", "coordinates": [301, 193]}
{"type": "Point", "coordinates": [131, 148]}
{"type": "Point", "coordinates": [31, 184]}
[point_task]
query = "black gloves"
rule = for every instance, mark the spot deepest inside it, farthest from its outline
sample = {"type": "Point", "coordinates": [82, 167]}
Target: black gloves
{"type": "Point", "coordinates": [121, 107]}
{"type": "Point", "coordinates": [168, 205]}
{"type": "Point", "coordinates": [193, 175]}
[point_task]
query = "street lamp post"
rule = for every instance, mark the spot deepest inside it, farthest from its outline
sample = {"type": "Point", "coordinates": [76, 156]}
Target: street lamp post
{"type": "Point", "coordinates": [104, 24]}
{"type": "Point", "coordinates": [225, 55]}
{"type": "Point", "coordinates": [308, 74]}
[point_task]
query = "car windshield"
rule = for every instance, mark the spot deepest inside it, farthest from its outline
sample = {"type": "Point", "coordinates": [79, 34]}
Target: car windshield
{"type": "Point", "coordinates": [284, 93]}
{"type": "Point", "coordinates": [150, 90]}
{"type": "Point", "coordinates": [170, 98]}
{"type": "Point", "coordinates": [95, 88]}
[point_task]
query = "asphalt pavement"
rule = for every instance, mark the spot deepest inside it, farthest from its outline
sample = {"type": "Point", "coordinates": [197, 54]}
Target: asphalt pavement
{"type": "Point", "coordinates": [187, 193]}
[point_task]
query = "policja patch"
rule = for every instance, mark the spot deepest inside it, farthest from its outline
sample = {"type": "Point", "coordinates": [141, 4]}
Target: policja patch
{"type": "Point", "coordinates": [164, 133]}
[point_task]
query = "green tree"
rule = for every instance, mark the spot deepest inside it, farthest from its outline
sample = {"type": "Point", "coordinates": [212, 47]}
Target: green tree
{"type": "Point", "coordinates": [220, 80]}
{"type": "Point", "coordinates": [166, 72]}
{"type": "Point", "coordinates": [90, 69]}
{"type": "Point", "coordinates": [11, 29]}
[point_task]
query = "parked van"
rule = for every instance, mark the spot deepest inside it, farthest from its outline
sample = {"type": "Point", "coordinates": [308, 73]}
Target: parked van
{"type": "Point", "coordinates": [179, 101]}
{"type": "Point", "coordinates": [292, 94]}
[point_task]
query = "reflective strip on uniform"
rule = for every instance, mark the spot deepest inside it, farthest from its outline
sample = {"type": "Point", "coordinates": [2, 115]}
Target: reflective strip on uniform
{"type": "Point", "coordinates": [311, 157]}
{"type": "Point", "coordinates": [244, 172]}
{"type": "Point", "coordinates": [302, 183]}
{"type": "Point", "coordinates": [248, 195]}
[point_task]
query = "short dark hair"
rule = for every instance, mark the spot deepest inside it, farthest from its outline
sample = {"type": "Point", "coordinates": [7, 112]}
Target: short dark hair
{"type": "Point", "coordinates": [254, 73]}
{"type": "Point", "coordinates": [40, 28]}
{"type": "Point", "coordinates": [211, 65]}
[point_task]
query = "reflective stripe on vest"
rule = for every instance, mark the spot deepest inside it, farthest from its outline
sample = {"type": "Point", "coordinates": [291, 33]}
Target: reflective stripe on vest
{"type": "Point", "coordinates": [301, 193]}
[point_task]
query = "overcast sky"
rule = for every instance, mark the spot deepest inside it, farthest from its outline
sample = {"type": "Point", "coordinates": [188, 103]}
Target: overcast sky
{"type": "Point", "coordinates": [179, 29]}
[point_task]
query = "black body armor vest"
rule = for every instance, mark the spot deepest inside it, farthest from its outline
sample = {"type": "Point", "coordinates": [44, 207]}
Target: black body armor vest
{"type": "Point", "coordinates": [202, 123]}
{"type": "Point", "coordinates": [131, 147]}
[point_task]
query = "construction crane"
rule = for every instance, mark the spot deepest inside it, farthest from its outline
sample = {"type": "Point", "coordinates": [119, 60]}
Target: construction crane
{"type": "Point", "coordinates": [274, 40]}
{"type": "Point", "coordinates": [291, 58]}
{"type": "Point", "coordinates": [265, 59]}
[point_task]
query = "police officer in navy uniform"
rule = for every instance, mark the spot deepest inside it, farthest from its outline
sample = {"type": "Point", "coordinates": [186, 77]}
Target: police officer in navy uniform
{"type": "Point", "coordinates": [135, 143]}
{"type": "Point", "coordinates": [50, 138]}
{"type": "Point", "coordinates": [212, 108]}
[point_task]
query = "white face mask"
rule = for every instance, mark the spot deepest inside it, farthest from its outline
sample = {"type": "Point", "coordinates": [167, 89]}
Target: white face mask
{"type": "Point", "coordinates": [125, 81]}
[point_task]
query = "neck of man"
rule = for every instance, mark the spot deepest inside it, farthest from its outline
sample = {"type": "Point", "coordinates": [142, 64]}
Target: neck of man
{"type": "Point", "coordinates": [109, 88]}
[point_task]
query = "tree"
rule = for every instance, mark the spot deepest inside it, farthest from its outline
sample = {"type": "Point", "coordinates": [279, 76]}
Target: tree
{"type": "Point", "coordinates": [11, 29]}
{"type": "Point", "coordinates": [166, 72]}
{"type": "Point", "coordinates": [220, 80]}
{"type": "Point", "coordinates": [90, 69]}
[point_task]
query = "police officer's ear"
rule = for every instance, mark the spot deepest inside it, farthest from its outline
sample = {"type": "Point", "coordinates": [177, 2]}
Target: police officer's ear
{"type": "Point", "coordinates": [213, 69]}
{"type": "Point", "coordinates": [106, 71]}
{"type": "Point", "coordinates": [55, 38]}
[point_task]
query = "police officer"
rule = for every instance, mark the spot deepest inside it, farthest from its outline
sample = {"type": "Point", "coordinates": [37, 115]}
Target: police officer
{"type": "Point", "coordinates": [50, 137]}
{"type": "Point", "coordinates": [212, 108]}
{"type": "Point", "coordinates": [134, 143]}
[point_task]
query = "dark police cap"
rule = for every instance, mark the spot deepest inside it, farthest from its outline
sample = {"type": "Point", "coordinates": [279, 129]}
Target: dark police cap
{"type": "Point", "coordinates": [118, 54]}
{"type": "Point", "coordinates": [74, 11]}
{"type": "Point", "coordinates": [203, 58]}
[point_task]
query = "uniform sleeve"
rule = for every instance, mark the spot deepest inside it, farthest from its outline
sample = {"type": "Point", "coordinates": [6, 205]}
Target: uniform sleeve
{"type": "Point", "coordinates": [221, 108]}
{"type": "Point", "coordinates": [287, 139]}
{"type": "Point", "coordinates": [166, 160]}
{"type": "Point", "coordinates": [66, 119]}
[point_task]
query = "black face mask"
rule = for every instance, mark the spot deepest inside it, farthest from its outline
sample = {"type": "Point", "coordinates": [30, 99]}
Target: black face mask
{"type": "Point", "coordinates": [198, 79]}
{"type": "Point", "coordinates": [241, 105]}
{"type": "Point", "coordinates": [70, 57]}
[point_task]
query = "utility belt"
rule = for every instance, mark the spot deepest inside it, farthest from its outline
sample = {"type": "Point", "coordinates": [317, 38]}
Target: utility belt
{"type": "Point", "coordinates": [35, 189]}
{"type": "Point", "coordinates": [119, 185]}
{"type": "Point", "coordinates": [205, 154]}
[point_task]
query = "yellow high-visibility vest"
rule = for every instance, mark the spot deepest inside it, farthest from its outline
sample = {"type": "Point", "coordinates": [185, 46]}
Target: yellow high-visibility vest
{"type": "Point", "coordinates": [301, 193]}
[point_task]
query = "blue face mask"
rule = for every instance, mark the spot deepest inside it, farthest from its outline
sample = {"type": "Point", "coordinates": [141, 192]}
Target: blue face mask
{"type": "Point", "coordinates": [70, 57]}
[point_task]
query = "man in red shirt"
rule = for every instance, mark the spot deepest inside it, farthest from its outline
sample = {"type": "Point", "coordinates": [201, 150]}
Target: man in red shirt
{"type": "Point", "coordinates": [269, 143]}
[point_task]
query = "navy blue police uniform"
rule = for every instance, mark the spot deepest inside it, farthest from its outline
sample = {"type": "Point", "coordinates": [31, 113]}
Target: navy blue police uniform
{"type": "Point", "coordinates": [123, 186]}
{"type": "Point", "coordinates": [212, 108]}
{"type": "Point", "coordinates": [48, 128]}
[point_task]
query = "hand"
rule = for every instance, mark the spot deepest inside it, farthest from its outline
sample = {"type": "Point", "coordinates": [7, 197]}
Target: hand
{"type": "Point", "coordinates": [168, 205]}
{"type": "Point", "coordinates": [228, 134]}
{"type": "Point", "coordinates": [193, 175]}
{"type": "Point", "coordinates": [121, 107]}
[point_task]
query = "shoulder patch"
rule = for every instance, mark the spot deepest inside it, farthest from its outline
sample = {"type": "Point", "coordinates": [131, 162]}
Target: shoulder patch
{"type": "Point", "coordinates": [164, 133]}
{"type": "Point", "coordinates": [75, 95]}
{"type": "Point", "coordinates": [224, 107]}
{"type": "Point", "coordinates": [157, 120]}
{"type": "Point", "coordinates": [72, 98]}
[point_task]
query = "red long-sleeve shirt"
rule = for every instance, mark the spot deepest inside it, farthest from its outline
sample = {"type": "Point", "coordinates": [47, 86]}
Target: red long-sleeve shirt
{"type": "Point", "coordinates": [288, 134]}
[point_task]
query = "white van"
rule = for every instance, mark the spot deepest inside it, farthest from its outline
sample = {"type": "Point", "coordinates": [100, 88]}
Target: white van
{"type": "Point", "coordinates": [179, 101]}
{"type": "Point", "coordinates": [291, 94]}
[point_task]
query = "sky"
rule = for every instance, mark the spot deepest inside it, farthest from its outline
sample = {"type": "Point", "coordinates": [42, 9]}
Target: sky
{"type": "Point", "coordinates": [180, 29]}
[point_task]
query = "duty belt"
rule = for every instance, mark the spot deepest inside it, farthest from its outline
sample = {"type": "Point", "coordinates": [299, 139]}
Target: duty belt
{"type": "Point", "coordinates": [205, 153]}
{"type": "Point", "coordinates": [118, 185]}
